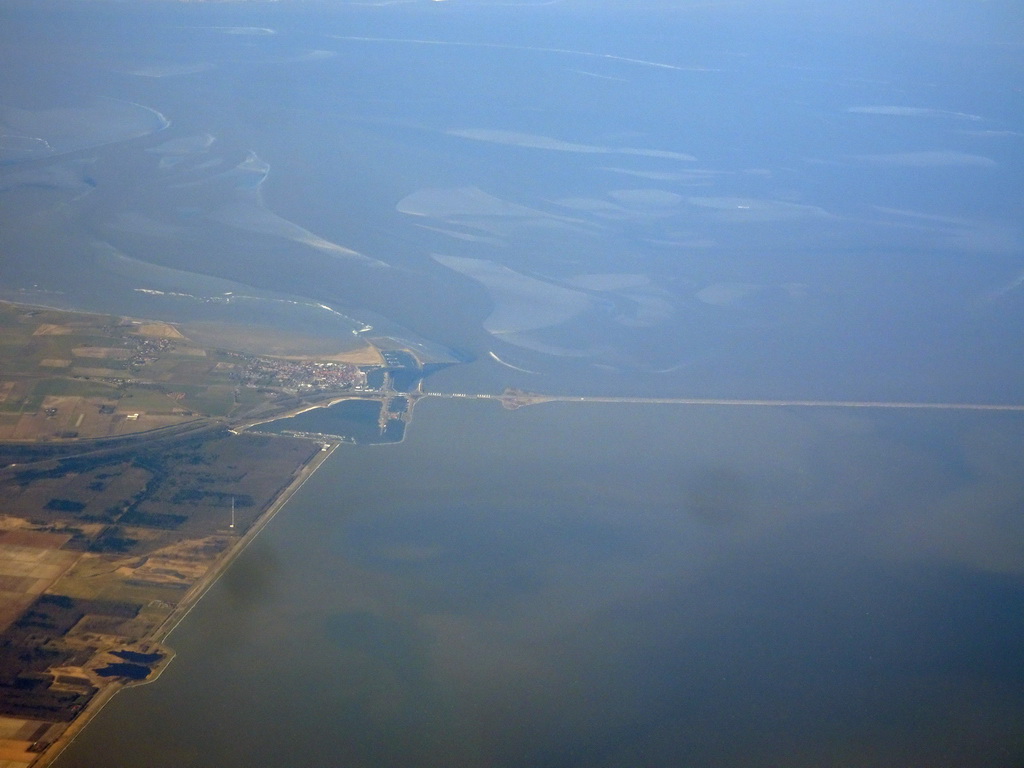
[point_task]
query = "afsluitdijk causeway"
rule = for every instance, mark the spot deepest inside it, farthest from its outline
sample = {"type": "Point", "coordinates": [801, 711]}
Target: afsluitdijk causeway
{"type": "Point", "coordinates": [512, 398]}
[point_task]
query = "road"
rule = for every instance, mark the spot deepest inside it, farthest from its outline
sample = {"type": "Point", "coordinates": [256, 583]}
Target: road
{"type": "Point", "coordinates": [514, 399]}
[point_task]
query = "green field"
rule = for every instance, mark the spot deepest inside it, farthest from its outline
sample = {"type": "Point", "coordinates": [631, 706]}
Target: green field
{"type": "Point", "coordinates": [69, 374]}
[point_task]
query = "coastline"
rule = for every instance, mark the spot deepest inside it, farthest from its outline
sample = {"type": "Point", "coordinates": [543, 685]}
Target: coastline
{"type": "Point", "coordinates": [199, 570]}
{"type": "Point", "coordinates": [188, 602]}
{"type": "Point", "coordinates": [195, 594]}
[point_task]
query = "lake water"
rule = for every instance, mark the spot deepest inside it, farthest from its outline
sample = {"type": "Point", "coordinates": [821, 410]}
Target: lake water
{"type": "Point", "coordinates": [605, 585]}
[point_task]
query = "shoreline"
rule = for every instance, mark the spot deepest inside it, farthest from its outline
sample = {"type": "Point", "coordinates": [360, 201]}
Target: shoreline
{"type": "Point", "coordinates": [199, 589]}
{"type": "Point", "coordinates": [192, 597]}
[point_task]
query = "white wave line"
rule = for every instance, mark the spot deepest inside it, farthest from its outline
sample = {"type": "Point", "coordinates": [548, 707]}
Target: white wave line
{"type": "Point", "coordinates": [510, 47]}
{"type": "Point", "coordinates": [154, 292]}
{"type": "Point", "coordinates": [509, 365]}
{"type": "Point", "coordinates": [26, 138]}
{"type": "Point", "coordinates": [1008, 288]}
{"type": "Point", "coordinates": [165, 121]}
{"type": "Point", "coordinates": [228, 296]}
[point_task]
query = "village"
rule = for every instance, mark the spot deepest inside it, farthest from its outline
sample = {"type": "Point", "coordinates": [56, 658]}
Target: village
{"type": "Point", "coordinates": [298, 376]}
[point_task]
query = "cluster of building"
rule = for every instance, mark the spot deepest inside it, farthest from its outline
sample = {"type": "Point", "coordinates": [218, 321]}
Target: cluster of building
{"type": "Point", "coordinates": [301, 376]}
{"type": "Point", "coordinates": [147, 350]}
